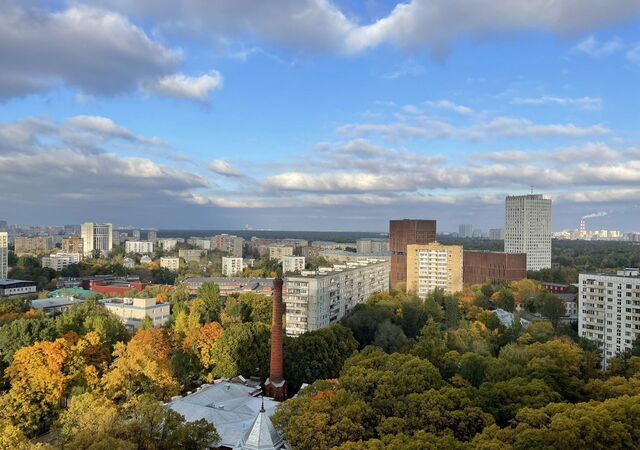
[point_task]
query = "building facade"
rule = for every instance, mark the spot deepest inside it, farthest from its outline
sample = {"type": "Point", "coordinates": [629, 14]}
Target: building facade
{"type": "Point", "coordinates": [231, 266]}
{"type": "Point", "coordinates": [4, 255]}
{"type": "Point", "coordinates": [278, 251]}
{"type": "Point", "coordinates": [96, 237]}
{"type": "Point", "coordinates": [191, 255]}
{"type": "Point", "coordinates": [73, 244]}
{"type": "Point", "coordinates": [402, 233]}
{"type": "Point", "coordinates": [141, 247]}
{"type": "Point", "coordinates": [152, 235]}
{"type": "Point", "coordinates": [59, 261]}
{"type": "Point", "coordinates": [465, 230]}
{"type": "Point", "coordinates": [494, 267]}
{"type": "Point", "coordinates": [609, 310]}
{"type": "Point", "coordinates": [293, 264]}
{"type": "Point", "coordinates": [132, 311]}
{"type": "Point", "coordinates": [434, 266]}
{"type": "Point", "coordinates": [370, 246]}
{"type": "Point", "coordinates": [528, 229]}
{"type": "Point", "coordinates": [170, 263]}
{"type": "Point", "coordinates": [317, 299]}
{"type": "Point", "coordinates": [496, 234]}
{"type": "Point", "coordinates": [229, 244]}
{"type": "Point", "coordinates": [25, 245]}
{"type": "Point", "coordinates": [167, 245]}
{"type": "Point", "coordinates": [9, 288]}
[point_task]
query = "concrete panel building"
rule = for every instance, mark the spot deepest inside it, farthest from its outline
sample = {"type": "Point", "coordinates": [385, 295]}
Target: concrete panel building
{"type": "Point", "coordinates": [4, 255]}
{"type": "Point", "coordinates": [528, 229]}
{"type": "Point", "coordinates": [229, 244]}
{"type": "Point", "coordinates": [293, 264]}
{"type": "Point", "coordinates": [465, 230]}
{"type": "Point", "coordinates": [317, 299]}
{"type": "Point", "coordinates": [372, 246]}
{"type": "Point", "coordinates": [191, 255]}
{"type": "Point", "coordinates": [278, 251]}
{"type": "Point", "coordinates": [434, 266]}
{"type": "Point", "coordinates": [609, 310]}
{"type": "Point", "coordinates": [170, 263]}
{"type": "Point", "coordinates": [60, 261]}
{"type": "Point", "coordinates": [402, 233]}
{"type": "Point", "coordinates": [231, 266]}
{"type": "Point", "coordinates": [98, 237]}
{"type": "Point", "coordinates": [141, 247]}
{"type": "Point", "coordinates": [493, 267]}
{"type": "Point", "coordinates": [73, 244]}
{"type": "Point", "coordinates": [25, 245]}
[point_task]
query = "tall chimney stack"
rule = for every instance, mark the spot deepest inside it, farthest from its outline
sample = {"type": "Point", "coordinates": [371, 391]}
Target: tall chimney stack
{"type": "Point", "coordinates": [275, 385]}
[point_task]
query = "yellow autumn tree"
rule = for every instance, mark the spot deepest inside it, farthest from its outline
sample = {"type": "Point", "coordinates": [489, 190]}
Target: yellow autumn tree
{"type": "Point", "coordinates": [200, 342]}
{"type": "Point", "coordinates": [142, 366]}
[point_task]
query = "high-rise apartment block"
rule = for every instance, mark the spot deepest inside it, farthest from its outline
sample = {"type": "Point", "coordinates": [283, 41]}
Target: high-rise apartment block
{"type": "Point", "coordinates": [4, 255]}
{"type": "Point", "coordinates": [25, 245]}
{"type": "Point", "coordinates": [141, 247]}
{"type": "Point", "coordinates": [96, 237]}
{"type": "Point", "coordinates": [406, 232]}
{"type": "Point", "coordinates": [465, 230]}
{"type": "Point", "coordinates": [609, 310]}
{"type": "Point", "coordinates": [73, 244]}
{"type": "Point", "coordinates": [496, 234]}
{"type": "Point", "coordinates": [493, 267]}
{"type": "Point", "coordinates": [231, 266]}
{"type": "Point", "coordinates": [229, 244]}
{"type": "Point", "coordinates": [278, 251]}
{"type": "Point", "coordinates": [372, 246]}
{"type": "Point", "coordinates": [152, 235]}
{"type": "Point", "coordinates": [528, 229]}
{"type": "Point", "coordinates": [434, 266]}
{"type": "Point", "coordinates": [135, 235]}
{"type": "Point", "coordinates": [317, 299]}
{"type": "Point", "coordinates": [292, 264]}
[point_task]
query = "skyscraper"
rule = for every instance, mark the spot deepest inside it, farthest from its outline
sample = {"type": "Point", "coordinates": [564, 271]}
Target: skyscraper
{"type": "Point", "coordinates": [4, 255]}
{"type": "Point", "coordinates": [465, 230]}
{"type": "Point", "coordinates": [97, 236]}
{"type": "Point", "coordinates": [402, 233]}
{"type": "Point", "coordinates": [528, 229]}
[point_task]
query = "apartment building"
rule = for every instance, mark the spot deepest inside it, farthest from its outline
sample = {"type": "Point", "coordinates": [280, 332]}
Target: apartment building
{"type": "Point", "coordinates": [609, 310]}
{"type": "Point", "coordinates": [278, 251]}
{"type": "Point", "coordinates": [204, 244]}
{"type": "Point", "coordinates": [25, 245]}
{"type": "Point", "coordinates": [369, 246]}
{"type": "Point", "coordinates": [402, 233]}
{"type": "Point", "coordinates": [317, 299]}
{"type": "Point", "coordinates": [141, 247]}
{"type": "Point", "coordinates": [434, 266]}
{"type": "Point", "coordinates": [293, 264]}
{"type": "Point", "coordinates": [528, 229]}
{"type": "Point", "coordinates": [229, 244]}
{"type": "Point", "coordinates": [4, 255]}
{"type": "Point", "coordinates": [96, 237]}
{"type": "Point", "coordinates": [170, 263]}
{"type": "Point", "coordinates": [132, 311]}
{"type": "Point", "coordinates": [494, 267]}
{"type": "Point", "coordinates": [60, 261]}
{"type": "Point", "coordinates": [191, 255]}
{"type": "Point", "coordinates": [231, 266]}
{"type": "Point", "coordinates": [167, 245]}
{"type": "Point", "coordinates": [73, 244]}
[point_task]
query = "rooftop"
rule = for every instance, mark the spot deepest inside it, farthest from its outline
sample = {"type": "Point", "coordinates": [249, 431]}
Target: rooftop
{"type": "Point", "coordinates": [9, 282]}
{"type": "Point", "coordinates": [55, 302]}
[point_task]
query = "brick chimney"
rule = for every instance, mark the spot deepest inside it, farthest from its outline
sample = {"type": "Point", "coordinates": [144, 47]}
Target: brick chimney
{"type": "Point", "coordinates": [275, 385]}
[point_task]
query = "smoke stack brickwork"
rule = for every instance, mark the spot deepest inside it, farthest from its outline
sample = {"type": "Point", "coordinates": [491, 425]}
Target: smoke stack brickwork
{"type": "Point", "coordinates": [276, 386]}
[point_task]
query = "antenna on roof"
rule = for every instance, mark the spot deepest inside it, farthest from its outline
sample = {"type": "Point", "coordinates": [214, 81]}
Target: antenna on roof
{"type": "Point", "coordinates": [262, 405]}
{"type": "Point", "coordinates": [532, 189]}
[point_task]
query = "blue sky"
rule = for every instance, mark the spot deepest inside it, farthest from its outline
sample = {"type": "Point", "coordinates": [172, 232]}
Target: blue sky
{"type": "Point", "coordinates": [310, 114]}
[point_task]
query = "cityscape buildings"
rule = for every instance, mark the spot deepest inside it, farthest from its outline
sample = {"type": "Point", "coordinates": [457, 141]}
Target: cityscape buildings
{"type": "Point", "coordinates": [170, 263]}
{"type": "Point", "coordinates": [465, 230]}
{"type": "Point", "coordinates": [278, 251]}
{"type": "Point", "coordinates": [609, 310]}
{"type": "Point", "coordinates": [434, 266]}
{"type": "Point", "coordinates": [494, 267]}
{"type": "Point", "coordinates": [231, 266]}
{"type": "Point", "coordinates": [141, 247]}
{"type": "Point", "coordinates": [73, 244]}
{"type": "Point", "coordinates": [4, 255]}
{"type": "Point", "coordinates": [316, 299]}
{"type": "Point", "coordinates": [402, 233]}
{"type": "Point", "coordinates": [292, 264]}
{"type": "Point", "coordinates": [229, 244]}
{"type": "Point", "coordinates": [60, 261]}
{"type": "Point", "coordinates": [96, 237]}
{"type": "Point", "coordinates": [528, 229]}
{"type": "Point", "coordinates": [25, 245]}
{"type": "Point", "coordinates": [372, 246]}
{"type": "Point", "coordinates": [132, 311]}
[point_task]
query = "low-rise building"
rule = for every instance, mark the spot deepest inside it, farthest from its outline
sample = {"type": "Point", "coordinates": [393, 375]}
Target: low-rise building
{"type": "Point", "coordinates": [317, 299]}
{"type": "Point", "coordinates": [292, 264]}
{"type": "Point", "coordinates": [9, 288]}
{"type": "Point", "coordinates": [557, 288]}
{"type": "Point", "coordinates": [231, 266]}
{"type": "Point", "coordinates": [609, 310]}
{"type": "Point", "coordinates": [229, 286]}
{"type": "Point", "coordinates": [191, 255]}
{"type": "Point", "coordinates": [434, 266]}
{"type": "Point", "coordinates": [141, 247]}
{"type": "Point", "coordinates": [60, 261]}
{"type": "Point", "coordinates": [494, 267]}
{"type": "Point", "coordinates": [170, 263]}
{"type": "Point", "coordinates": [278, 251]}
{"type": "Point", "coordinates": [132, 311]}
{"type": "Point", "coordinates": [342, 256]}
{"type": "Point", "coordinates": [369, 246]}
{"type": "Point", "coordinates": [56, 305]}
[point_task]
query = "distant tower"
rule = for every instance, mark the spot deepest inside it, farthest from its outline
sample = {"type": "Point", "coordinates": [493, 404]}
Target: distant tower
{"type": "Point", "coordinates": [583, 229]}
{"type": "Point", "coordinates": [276, 386]}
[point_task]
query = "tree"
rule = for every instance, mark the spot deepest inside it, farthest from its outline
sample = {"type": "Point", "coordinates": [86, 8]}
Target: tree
{"type": "Point", "coordinates": [88, 413]}
{"type": "Point", "coordinates": [142, 366]}
{"type": "Point", "coordinates": [389, 337]}
{"type": "Point", "coordinates": [430, 345]}
{"type": "Point", "coordinates": [242, 350]}
{"type": "Point", "coordinates": [23, 333]}
{"type": "Point", "coordinates": [210, 294]}
{"type": "Point", "coordinates": [552, 308]}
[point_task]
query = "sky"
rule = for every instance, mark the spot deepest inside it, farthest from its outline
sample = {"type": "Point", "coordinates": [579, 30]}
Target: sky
{"type": "Point", "coordinates": [318, 114]}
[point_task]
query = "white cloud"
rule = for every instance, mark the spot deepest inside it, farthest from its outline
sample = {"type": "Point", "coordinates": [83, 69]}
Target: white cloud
{"type": "Point", "coordinates": [633, 54]}
{"type": "Point", "coordinates": [185, 87]}
{"type": "Point", "coordinates": [588, 103]}
{"type": "Point", "coordinates": [222, 167]}
{"type": "Point", "coordinates": [451, 106]}
{"type": "Point", "coordinates": [407, 69]}
{"type": "Point", "coordinates": [597, 49]}
{"type": "Point", "coordinates": [519, 127]}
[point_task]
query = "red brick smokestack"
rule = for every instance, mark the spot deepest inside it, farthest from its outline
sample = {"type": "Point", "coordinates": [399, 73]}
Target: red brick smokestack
{"type": "Point", "coordinates": [275, 385]}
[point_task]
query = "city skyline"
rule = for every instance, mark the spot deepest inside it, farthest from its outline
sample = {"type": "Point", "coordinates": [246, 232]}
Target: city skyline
{"type": "Point", "coordinates": [329, 115]}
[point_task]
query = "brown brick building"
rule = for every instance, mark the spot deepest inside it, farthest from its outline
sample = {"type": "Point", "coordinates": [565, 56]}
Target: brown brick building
{"type": "Point", "coordinates": [402, 233]}
{"type": "Point", "coordinates": [496, 267]}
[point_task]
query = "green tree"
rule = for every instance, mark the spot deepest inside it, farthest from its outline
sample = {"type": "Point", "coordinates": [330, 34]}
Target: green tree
{"type": "Point", "coordinates": [242, 349]}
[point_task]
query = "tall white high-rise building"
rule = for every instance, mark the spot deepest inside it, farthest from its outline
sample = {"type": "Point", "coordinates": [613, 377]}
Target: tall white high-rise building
{"type": "Point", "coordinates": [97, 236]}
{"type": "Point", "coordinates": [528, 229]}
{"type": "Point", "coordinates": [609, 310]}
{"type": "Point", "coordinates": [465, 230]}
{"type": "Point", "coordinates": [4, 255]}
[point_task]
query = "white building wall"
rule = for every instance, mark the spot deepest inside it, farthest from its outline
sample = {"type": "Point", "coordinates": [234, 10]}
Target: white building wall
{"type": "Point", "coordinates": [231, 266]}
{"type": "Point", "coordinates": [528, 229]}
{"type": "Point", "coordinates": [293, 264]}
{"type": "Point", "coordinates": [138, 247]}
{"type": "Point", "coordinates": [4, 255]}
